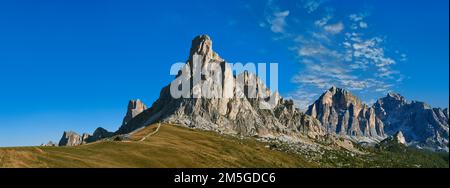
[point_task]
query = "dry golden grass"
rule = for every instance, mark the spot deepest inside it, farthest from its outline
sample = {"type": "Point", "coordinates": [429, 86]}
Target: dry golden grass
{"type": "Point", "coordinates": [171, 146]}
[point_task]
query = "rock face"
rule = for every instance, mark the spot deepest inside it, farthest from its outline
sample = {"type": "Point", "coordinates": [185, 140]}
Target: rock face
{"type": "Point", "coordinates": [420, 123]}
{"type": "Point", "coordinates": [392, 142]}
{"type": "Point", "coordinates": [71, 138]}
{"type": "Point", "coordinates": [135, 107]}
{"type": "Point", "coordinates": [100, 133]}
{"type": "Point", "coordinates": [231, 108]}
{"type": "Point", "coordinates": [342, 113]}
{"type": "Point", "coordinates": [399, 138]}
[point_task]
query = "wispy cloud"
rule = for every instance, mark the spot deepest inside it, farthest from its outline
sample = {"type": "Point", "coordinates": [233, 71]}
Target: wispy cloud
{"type": "Point", "coordinates": [278, 21]}
{"type": "Point", "coordinates": [323, 21]}
{"type": "Point", "coordinates": [275, 18]}
{"type": "Point", "coordinates": [334, 28]}
{"type": "Point", "coordinates": [301, 98]}
{"type": "Point", "coordinates": [336, 51]}
{"type": "Point", "coordinates": [312, 5]}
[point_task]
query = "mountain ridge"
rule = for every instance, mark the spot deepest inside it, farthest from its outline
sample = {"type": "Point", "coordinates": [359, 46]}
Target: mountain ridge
{"type": "Point", "coordinates": [337, 111]}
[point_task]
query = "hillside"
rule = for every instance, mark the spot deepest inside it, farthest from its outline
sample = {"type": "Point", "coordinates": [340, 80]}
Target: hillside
{"type": "Point", "coordinates": [171, 146]}
{"type": "Point", "coordinates": [175, 146]}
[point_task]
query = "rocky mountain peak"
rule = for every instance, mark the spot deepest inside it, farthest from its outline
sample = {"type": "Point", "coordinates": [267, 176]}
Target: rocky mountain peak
{"type": "Point", "coordinates": [135, 107]}
{"type": "Point", "coordinates": [393, 100]}
{"type": "Point", "coordinates": [428, 127]}
{"type": "Point", "coordinates": [395, 96]}
{"type": "Point", "coordinates": [339, 96]}
{"type": "Point", "coordinates": [70, 138]}
{"type": "Point", "coordinates": [333, 89]}
{"type": "Point", "coordinates": [231, 109]}
{"type": "Point", "coordinates": [100, 133]}
{"type": "Point", "coordinates": [202, 45]}
{"type": "Point", "coordinates": [340, 112]}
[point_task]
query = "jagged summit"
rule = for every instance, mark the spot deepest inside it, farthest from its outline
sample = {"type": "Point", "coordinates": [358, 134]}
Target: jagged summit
{"type": "Point", "coordinates": [202, 45]}
{"type": "Point", "coordinates": [71, 138]}
{"type": "Point", "coordinates": [342, 113]}
{"type": "Point", "coordinates": [333, 89]}
{"type": "Point", "coordinates": [231, 110]}
{"type": "Point", "coordinates": [395, 97]}
{"type": "Point", "coordinates": [135, 107]}
{"type": "Point", "coordinates": [428, 127]}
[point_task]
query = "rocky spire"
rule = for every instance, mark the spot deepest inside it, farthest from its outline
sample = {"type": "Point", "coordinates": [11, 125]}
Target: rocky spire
{"type": "Point", "coordinates": [233, 113]}
{"type": "Point", "coordinates": [202, 45]}
{"type": "Point", "coordinates": [135, 107]}
{"type": "Point", "coordinates": [202, 48]}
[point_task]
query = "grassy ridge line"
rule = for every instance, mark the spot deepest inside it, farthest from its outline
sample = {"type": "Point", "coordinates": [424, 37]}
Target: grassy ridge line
{"type": "Point", "coordinates": [172, 146]}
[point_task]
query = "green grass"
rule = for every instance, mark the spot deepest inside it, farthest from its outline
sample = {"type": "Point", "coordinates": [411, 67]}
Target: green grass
{"type": "Point", "coordinates": [386, 155]}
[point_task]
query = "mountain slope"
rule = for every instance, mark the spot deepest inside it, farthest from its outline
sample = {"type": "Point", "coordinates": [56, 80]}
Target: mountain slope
{"type": "Point", "coordinates": [171, 146]}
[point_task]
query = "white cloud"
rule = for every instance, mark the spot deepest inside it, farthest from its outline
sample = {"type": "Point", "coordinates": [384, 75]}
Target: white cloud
{"type": "Point", "coordinates": [363, 25]}
{"type": "Point", "coordinates": [322, 83]}
{"type": "Point", "coordinates": [334, 28]}
{"type": "Point", "coordinates": [370, 50]}
{"type": "Point", "coordinates": [323, 21]}
{"type": "Point", "coordinates": [358, 21]}
{"type": "Point", "coordinates": [356, 17]}
{"type": "Point", "coordinates": [312, 5]}
{"type": "Point", "coordinates": [278, 21]}
{"type": "Point", "coordinates": [329, 56]}
{"type": "Point", "coordinates": [302, 98]}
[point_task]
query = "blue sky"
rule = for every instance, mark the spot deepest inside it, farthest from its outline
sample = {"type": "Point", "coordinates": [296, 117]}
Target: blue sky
{"type": "Point", "coordinates": [73, 65]}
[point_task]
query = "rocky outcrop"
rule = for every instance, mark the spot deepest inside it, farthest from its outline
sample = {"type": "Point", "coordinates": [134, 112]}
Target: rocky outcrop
{"type": "Point", "coordinates": [400, 138]}
{"type": "Point", "coordinates": [135, 107]}
{"type": "Point", "coordinates": [99, 134]}
{"type": "Point", "coordinates": [342, 113]}
{"type": "Point", "coordinates": [396, 142]}
{"type": "Point", "coordinates": [231, 108]}
{"type": "Point", "coordinates": [421, 124]}
{"type": "Point", "coordinates": [71, 138]}
{"type": "Point", "coordinates": [297, 121]}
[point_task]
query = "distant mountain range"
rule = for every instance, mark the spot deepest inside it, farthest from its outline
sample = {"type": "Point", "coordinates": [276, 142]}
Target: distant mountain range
{"type": "Point", "coordinates": [342, 113]}
{"type": "Point", "coordinates": [336, 113]}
